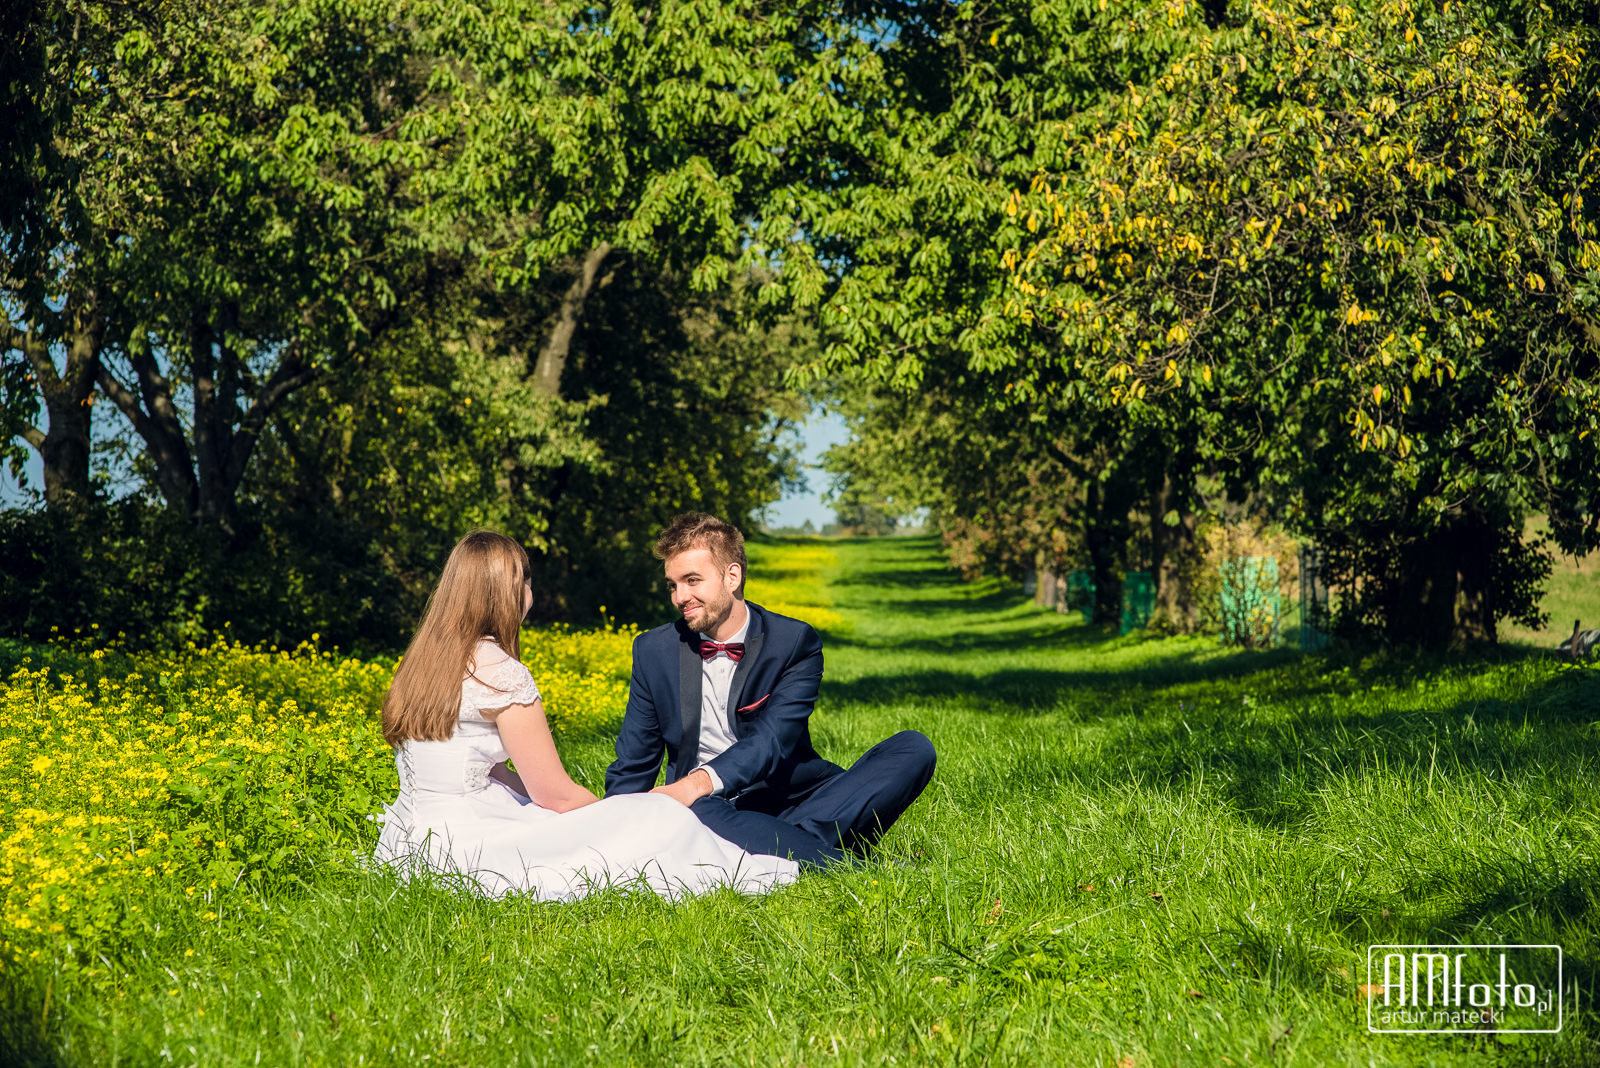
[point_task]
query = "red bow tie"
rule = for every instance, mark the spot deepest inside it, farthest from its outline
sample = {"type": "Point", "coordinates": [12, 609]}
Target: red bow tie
{"type": "Point", "coordinates": [735, 650]}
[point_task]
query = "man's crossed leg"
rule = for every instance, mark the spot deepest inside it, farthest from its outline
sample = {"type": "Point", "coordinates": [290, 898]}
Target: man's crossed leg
{"type": "Point", "coordinates": [847, 812]}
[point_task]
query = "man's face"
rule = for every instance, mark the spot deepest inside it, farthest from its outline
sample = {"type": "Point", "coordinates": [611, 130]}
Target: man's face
{"type": "Point", "coordinates": [701, 590]}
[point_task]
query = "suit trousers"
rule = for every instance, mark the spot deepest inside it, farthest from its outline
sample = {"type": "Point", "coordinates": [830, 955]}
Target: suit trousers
{"type": "Point", "coordinates": [818, 823]}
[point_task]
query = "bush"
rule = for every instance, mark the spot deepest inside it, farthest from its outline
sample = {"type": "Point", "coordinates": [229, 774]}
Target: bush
{"type": "Point", "coordinates": [124, 773]}
{"type": "Point", "coordinates": [1410, 587]}
{"type": "Point", "coordinates": [135, 567]}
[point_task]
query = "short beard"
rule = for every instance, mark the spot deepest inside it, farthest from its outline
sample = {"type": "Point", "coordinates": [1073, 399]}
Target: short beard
{"type": "Point", "coordinates": [714, 617]}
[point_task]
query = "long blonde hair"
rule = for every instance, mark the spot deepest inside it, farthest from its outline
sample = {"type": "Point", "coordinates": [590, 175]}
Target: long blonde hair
{"type": "Point", "coordinates": [479, 596]}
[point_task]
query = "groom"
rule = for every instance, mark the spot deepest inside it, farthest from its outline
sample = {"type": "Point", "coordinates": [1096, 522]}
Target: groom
{"type": "Point", "coordinates": [727, 691]}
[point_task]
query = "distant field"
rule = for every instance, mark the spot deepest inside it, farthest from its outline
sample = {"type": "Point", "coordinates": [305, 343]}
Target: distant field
{"type": "Point", "coordinates": [1135, 852]}
{"type": "Point", "coordinates": [1573, 593]}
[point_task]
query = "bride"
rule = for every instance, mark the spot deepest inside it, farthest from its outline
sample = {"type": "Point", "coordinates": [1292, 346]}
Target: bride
{"type": "Point", "coordinates": [460, 704]}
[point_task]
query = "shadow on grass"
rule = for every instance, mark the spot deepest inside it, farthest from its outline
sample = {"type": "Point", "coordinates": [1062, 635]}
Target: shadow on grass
{"type": "Point", "coordinates": [1035, 690]}
{"type": "Point", "coordinates": [1506, 900]}
{"type": "Point", "coordinates": [1271, 767]}
{"type": "Point", "coordinates": [1042, 633]}
{"type": "Point", "coordinates": [1273, 773]}
{"type": "Point", "coordinates": [903, 578]}
{"type": "Point", "coordinates": [29, 1028]}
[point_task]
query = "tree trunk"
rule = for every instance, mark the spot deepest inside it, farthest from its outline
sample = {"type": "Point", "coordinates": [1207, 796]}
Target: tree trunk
{"type": "Point", "coordinates": [1106, 532]}
{"type": "Point", "coordinates": [211, 426]}
{"type": "Point", "coordinates": [1047, 584]}
{"type": "Point", "coordinates": [1443, 594]}
{"type": "Point", "coordinates": [203, 483]}
{"type": "Point", "coordinates": [65, 446]}
{"type": "Point", "coordinates": [553, 357]}
{"type": "Point", "coordinates": [1171, 548]}
{"type": "Point", "coordinates": [155, 419]}
{"type": "Point", "coordinates": [1475, 608]}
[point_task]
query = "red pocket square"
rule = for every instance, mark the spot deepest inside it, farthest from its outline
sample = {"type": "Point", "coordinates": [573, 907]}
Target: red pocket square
{"type": "Point", "coordinates": [754, 705]}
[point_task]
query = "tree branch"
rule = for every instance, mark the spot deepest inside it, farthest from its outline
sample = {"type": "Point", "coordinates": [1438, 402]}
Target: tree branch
{"type": "Point", "coordinates": [553, 357]}
{"type": "Point", "coordinates": [159, 427]}
{"type": "Point", "coordinates": [291, 375]}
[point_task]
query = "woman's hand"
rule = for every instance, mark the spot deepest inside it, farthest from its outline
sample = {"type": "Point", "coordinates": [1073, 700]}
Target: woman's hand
{"type": "Point", "coordinates": [545, 781]}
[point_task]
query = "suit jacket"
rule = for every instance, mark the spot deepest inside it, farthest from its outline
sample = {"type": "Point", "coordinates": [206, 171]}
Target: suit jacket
{"type": "Point", "coordinates": [770, 700]}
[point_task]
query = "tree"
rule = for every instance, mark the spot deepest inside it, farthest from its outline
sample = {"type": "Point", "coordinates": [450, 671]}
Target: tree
{"type": "Point", "coordinates": [55, 56]}
{"type": "Point", "coordinates": [215, 210]}
{"type": "Point", "coordinates": [266, 175]}
{"type": "Point", "coordinates": [380, 272]}
{"type": "Point", "coordinates": [1372, 218]}
{"type": "Point", "coordinates": [670, 401]}
{"type": "Point", "coordinates": [687, 410]}
{"type": "Point", "coordinates": [973, 104]}
{"type": "Point", "coordinates": [977, 102]}
{"type": "Point", "coordinates": [1083, 488]}
{"type": "Point", "coordinates": [707, 137]}
{"type": "Point", "coordinates": [287, 195]}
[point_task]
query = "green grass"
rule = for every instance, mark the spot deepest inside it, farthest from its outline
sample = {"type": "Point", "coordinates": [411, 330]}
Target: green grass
{"type": "Point", "coordinates": [1287, 810]}
{"type": "Point", "coordinates": [1573, 592]}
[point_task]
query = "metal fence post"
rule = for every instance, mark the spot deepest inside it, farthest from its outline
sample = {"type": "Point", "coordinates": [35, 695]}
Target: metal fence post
{"type": "Point", "coordinates": [1313, 599]}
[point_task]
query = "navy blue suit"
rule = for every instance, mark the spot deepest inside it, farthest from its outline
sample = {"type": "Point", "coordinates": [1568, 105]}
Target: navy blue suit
{"type": "Point", "coordinates": [778, 796]}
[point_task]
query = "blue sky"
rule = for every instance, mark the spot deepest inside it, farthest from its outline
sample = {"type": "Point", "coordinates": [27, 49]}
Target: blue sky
{"type": "Point", "coordinates": [819, 433]}
{"type": "Point", "coordinates": [33, 475]}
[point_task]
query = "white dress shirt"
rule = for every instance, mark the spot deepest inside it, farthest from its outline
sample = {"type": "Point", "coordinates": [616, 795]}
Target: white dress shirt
{"type": "Point", "coordinates": [716, 677]}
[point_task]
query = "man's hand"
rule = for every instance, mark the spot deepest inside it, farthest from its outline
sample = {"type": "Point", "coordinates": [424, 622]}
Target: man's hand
{"type": "Point", "coordinates": [687, 790]}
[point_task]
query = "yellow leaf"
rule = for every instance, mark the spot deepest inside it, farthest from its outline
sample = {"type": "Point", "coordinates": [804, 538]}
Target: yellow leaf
{"type": "Point", "coordinates": [994, 38]}
{"type": "Point", "coordinates": [1377, 393]}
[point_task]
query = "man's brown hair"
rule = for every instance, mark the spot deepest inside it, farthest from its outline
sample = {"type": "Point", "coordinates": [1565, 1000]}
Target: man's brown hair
{"type": "Point", "coordinates": [696, 530]}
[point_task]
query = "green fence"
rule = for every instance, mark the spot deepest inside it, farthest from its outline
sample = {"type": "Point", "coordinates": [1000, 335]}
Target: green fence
{"type": "Point", "coordinates": [1138, 599]}
{"type": "Point", "coordinates": [1080, 594]}
{"type": "Point", "coordinates": [1250, 601]}
{"type": "Point", "coordinates": [1314, 610]}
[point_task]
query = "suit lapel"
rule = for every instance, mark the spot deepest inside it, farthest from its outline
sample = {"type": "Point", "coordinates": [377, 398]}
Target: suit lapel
{"type": "Point", "coordinates": [689, 667]}
{"type": "Point", "coordinates": [753, 638]}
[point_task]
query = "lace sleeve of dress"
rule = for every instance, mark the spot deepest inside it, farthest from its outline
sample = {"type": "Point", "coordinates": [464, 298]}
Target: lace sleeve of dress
{"type": "Point", "coordinates": [504, 683]}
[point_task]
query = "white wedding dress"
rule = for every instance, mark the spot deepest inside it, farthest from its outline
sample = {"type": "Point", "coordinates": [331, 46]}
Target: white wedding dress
{"type": "Point", "coordinates": [452, 818]}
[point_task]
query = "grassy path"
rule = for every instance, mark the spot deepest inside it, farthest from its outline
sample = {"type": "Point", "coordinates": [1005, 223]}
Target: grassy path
{"type": "Point", "coordinates": [1133, 853]}
{"type": "Point", "coordinates": [1249, 823]}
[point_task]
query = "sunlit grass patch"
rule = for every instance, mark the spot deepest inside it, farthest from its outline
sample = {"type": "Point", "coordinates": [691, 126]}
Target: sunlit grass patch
{"type": "Point", "coordinates": [1133, 852]}
{"type": "Point", "coordinates": [790, 579]}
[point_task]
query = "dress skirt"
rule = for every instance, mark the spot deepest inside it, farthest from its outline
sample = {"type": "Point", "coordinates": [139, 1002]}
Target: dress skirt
{"type": "Point", "coordinates": [502, 843]}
